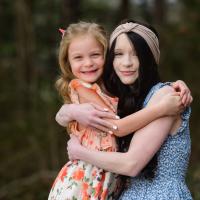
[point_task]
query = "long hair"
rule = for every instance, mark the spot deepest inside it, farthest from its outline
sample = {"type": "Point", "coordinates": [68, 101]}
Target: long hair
{"type": "Point", "coordinates": [131, 97]}
{"type": "Point", "coordinates": [75, 30]}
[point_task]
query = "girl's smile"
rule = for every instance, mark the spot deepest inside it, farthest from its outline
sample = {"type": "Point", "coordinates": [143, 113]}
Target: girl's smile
{"type": "Point", "coordinates": [86, 58]}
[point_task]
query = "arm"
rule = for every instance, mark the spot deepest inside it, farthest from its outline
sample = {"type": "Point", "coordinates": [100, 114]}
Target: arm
{"type": "Point", "coordinates": [142, 147]}
{"type": "Point", "coordinates": [87, 114]}
{"type": "Point", "coordinates": [93, 115]}
{"type": "Point", "coordinates": [141, 150]}
{"type": "Point", "coordinates": [136, 120]}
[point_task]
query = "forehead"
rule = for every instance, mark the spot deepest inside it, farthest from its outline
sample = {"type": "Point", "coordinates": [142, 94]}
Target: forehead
{"type": "Point", "coordinates": [84, 38]}
{"type": "Point", "coordinates": [123, 41]}
{"type": "Point", "coordinates": [84, 42]}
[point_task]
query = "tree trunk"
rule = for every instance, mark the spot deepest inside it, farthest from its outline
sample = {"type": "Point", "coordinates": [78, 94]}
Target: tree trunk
{"type": "Point", "coordinates": [124, 10]}
{"type": "Point", "coordinates": [71, 11]}
{"type": "Point", "coordinates": [24, 53]}
{"type": "Point", "coordinates": [159, 13]}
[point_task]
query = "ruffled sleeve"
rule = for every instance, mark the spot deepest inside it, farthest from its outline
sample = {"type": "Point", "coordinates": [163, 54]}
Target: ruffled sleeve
{"type": "Point", "coordinates": [72, 91]}
{"type": "Point", "coordinates": [75, 83]}
{"type": "Point", "coordinates": [185, 116]}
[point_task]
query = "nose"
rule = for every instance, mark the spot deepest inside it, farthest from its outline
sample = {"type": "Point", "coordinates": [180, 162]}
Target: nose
{"type": "Point", "coordinates": [88, 62]}
{"type": "Point", "coordinates": [127, 61]}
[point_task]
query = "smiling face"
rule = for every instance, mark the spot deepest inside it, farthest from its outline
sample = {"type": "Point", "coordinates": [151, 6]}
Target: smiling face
{"type": "Point", "coordinates": [126, 62]}
{"type": "Point", "coordinates": [86, 58]}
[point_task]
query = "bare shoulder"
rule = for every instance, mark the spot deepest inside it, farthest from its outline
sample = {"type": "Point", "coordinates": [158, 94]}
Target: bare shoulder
{"type": "Point", "coordinates": [160, 93]}
{"type": "Point", "coordinates": [163, 91]}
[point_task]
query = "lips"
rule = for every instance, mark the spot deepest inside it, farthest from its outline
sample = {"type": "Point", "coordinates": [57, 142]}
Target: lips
{"type": "Point", "coordinates": [90, 72]}
{"type": "Point", "coordinates": [127, 73]}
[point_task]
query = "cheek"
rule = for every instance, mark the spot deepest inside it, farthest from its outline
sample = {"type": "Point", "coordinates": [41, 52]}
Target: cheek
{"type": "Point", "coordinates": [74, 68]}
{"type": "Point", "coordinates": [101, 62]}
{"type": "Point", "coordinates": [115, 65]}
{"type": "Point", "coordinates": [137, 63]}
{"type": "Point", "coordinates": [115, 69]}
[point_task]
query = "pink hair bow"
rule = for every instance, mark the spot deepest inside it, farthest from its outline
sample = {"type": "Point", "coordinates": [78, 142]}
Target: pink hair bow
{"type": "Point", "coordinates": [62, 31]}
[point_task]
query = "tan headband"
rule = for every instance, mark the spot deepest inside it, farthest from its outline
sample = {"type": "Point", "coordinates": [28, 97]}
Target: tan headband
{"type": "Point", "coordinates": [150, 37]}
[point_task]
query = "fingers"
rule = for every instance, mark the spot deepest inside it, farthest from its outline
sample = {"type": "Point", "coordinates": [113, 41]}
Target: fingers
{"type": "Point", "coordinates": [175, 86]}
{"type": "Point", "coordinates": [107, 115]}
{"type": "Point", "coordinates": [104, 126]}
{"type": "Point", "coordinates": [188, 100]}
{"type": "Point", "coordinates": [182, 87]}
{"type": "Point", "coordinates": [175, 94]}
{"type": "Point", "coordinates": [96, 106]}
{"type": "Point", "coordinates": [185, 96]}
{"type": "Point", "coordinates": [184, 99]}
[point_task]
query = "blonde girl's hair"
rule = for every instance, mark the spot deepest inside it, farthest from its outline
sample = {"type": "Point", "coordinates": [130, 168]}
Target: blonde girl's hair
{"type": "Point", "coordinates": [75, 30]}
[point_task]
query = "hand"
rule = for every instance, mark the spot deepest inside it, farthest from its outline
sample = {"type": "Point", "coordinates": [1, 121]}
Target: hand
{"type": "Point", "coordinates": [87, 114]}
{"type": "Point", "coordinates": [171, 104]}
{"type": "Point", "coordinates": [73, 145]}
{"type": "Point", "coordinates": [185, 93]}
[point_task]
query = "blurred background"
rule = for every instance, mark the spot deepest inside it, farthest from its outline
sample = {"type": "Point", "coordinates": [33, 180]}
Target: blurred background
{"type": "Point", "coordinates": [31, 142]}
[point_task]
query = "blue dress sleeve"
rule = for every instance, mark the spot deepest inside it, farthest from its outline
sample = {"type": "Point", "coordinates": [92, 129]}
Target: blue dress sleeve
{"type": "Point", "coordinates": [184, 116]}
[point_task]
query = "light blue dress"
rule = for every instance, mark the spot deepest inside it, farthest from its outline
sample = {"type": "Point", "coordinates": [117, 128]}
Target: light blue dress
{"type": "Point", "coordinates": [173, 157]}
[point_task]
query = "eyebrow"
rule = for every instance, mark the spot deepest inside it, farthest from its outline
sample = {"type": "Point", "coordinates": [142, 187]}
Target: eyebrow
{"type": "Point", "coordinates": [118, 49]}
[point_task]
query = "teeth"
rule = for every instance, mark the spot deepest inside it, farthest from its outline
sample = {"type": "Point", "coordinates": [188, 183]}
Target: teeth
{"type": "Point", "coordinates": [90, 71]}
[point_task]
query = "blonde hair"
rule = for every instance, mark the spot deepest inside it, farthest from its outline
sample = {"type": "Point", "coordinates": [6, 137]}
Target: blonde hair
{"type": "Point", "coordinates": [71, 32]}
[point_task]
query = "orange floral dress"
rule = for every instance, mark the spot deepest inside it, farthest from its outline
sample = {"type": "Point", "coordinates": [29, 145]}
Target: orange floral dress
{"type": "Point", "coordinates": [78, 180]}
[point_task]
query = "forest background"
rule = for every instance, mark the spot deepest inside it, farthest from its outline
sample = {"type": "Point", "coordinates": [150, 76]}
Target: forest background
{"type": "Point", "coordinates": [32, 144]}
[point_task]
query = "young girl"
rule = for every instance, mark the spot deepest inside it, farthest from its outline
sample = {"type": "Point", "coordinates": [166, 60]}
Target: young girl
{"type": "Point", "coordinates": [81, 59]}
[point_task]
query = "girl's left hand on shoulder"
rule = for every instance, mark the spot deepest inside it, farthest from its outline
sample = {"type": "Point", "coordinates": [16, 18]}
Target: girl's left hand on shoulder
{"type": "Point", "coordinates": [185, 94]}
{"type": "Point", "coordinates": [73, 145]}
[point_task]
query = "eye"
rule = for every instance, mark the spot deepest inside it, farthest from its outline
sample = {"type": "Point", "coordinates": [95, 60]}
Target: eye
{"type": "Point", "coordinates": [96, 54]}
{"type": "Point", "coordinates": [77, 57]}
{"type": "Point", "coordinates": [118, 54]}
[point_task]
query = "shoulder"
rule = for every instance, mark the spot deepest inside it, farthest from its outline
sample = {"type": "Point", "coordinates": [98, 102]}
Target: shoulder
{"type": "Point", "coordinates": [166, 89]}
{"type": "Point", "coordinates": [76, 83]}
{"type": "Point", "coordinates": [158, 91]}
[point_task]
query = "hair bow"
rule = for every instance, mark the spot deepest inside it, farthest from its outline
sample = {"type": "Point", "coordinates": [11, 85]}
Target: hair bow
{"type": "Point", "coordinates": [62, 31]}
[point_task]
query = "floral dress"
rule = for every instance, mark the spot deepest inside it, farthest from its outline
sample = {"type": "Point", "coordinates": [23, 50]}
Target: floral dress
{"type": "Point", "coordinates": [78, 180]}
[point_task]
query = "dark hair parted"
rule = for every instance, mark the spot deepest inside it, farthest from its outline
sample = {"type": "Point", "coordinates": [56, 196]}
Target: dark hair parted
{"type": "Point", "coordinates": [131, 97]}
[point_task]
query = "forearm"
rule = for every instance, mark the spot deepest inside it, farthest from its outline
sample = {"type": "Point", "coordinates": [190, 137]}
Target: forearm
{"type": "Point", "coordinates": [115, 162]}
{"type": "Point", "coordinates": [138, 120]}
{"type": "Point", "coordinates": [144, 145]}
{"type": "Point", "coordinates": [65, 115]}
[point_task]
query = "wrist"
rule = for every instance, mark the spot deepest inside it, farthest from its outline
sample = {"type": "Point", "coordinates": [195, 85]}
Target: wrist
{"type": "Point", "coordinates": [71, 112]}
{"type": "Point", "coordinates": [160, 110]}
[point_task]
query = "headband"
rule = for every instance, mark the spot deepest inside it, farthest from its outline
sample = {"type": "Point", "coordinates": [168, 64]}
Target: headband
{"type": "Point", "coordinates": [150, 37]}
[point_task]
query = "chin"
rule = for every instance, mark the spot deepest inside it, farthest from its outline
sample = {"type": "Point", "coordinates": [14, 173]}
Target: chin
{"type": "Point", "coordinates": [127, 82]}
{"type": "Point", "coordinates": [91, 80]}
